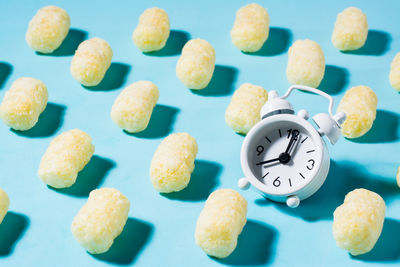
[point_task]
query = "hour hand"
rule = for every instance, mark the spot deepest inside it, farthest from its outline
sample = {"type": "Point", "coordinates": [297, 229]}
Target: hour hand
{"type": "Point", "coordinates": [295, 134]}
{"type": "Point", "coordinates": [267, 161]}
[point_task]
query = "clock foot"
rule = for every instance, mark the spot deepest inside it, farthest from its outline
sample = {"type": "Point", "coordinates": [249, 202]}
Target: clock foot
{"type": "Point", "coordinates": [293, 201]}
{"type": "Point", "coordinates": [243, 183]}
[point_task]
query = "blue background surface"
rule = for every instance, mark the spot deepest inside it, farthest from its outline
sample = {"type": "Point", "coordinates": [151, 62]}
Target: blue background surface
{"type": "Point", "coordinates": [160, 229]}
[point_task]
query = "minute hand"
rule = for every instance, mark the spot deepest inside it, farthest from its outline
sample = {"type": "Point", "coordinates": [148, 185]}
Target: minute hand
{"type": "Point", "coordinates": [267, 161]}
{"type": "Point", "coordinates": [295, 133]}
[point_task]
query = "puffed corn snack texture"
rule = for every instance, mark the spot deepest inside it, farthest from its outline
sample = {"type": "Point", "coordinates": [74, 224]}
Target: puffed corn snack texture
{"type": "Point", "coordinates": [23, 103]}
{"type": "Point", "coordinates": [91, 61]}
{"type": "Point", "coordinates": [48, 29]}
{"type": "Point", "coordinates": [351, 29]}
{"type": "Point", "coordinates": [251, 28]}
{"type": "Point", "coordinates": [196, 64]}
{"type": "Point", "coordinates": [173, 163]}
{"type": "Point", "coordinates": [358, 222]}
{"type": "Point", "coordinates": [306, 63]}
{"type": "Point", "coordinates": [394, 75]}
{"type": "Point", "coordinates": [133, 107]}
{"type": "Point", "coordinates": [152, 32]}
{"type": "Point", "coordinates": [4, 204]}
{"type": "Point", "coordinates": [66, 155]}
{"type": "Point", "coordinates": [359, 103]}
{"type": "Point", "coordinates": [243, 111]}
{"type": "Point", "coordinates": [220, 222]}
{"type": "Point", "coordinates": [101, 220]}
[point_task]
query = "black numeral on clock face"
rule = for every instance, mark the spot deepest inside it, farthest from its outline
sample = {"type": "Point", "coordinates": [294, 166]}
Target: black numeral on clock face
{"type": "Point", "coordinates": [294, 132]}
{"type": "Point", "coordinates": [276, 182]}
{"type": "Point", "coordinates": [311, 165]}
{"type": "Point", "coordinates": [260, 150]}
{"type": "Point", "coordinates": [289, 132]}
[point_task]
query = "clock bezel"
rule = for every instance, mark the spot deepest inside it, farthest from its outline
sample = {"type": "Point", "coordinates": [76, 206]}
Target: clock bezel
{"type": "Point", "coordinates": [274, 121]}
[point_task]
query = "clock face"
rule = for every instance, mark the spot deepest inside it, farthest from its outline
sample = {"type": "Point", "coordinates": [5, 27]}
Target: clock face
{"type": "Point", "coordinates": [284, 157]}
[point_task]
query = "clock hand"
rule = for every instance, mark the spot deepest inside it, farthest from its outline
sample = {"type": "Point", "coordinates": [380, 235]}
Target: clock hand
{"type": "Point", "coordinates": [267, 161]}
{"type": "Point", "coordinates": [285, 156]}
{"type": "Point", "coordinates": [295, 134]}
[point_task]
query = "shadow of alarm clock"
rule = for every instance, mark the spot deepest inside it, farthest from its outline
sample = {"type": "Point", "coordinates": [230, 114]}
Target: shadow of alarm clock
{"type": "Point", "coordinates": [283, 155]}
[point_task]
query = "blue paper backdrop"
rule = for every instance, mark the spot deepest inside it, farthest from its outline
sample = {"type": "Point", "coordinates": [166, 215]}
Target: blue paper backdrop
{"type": "Point", "coordinates": [160, 229]}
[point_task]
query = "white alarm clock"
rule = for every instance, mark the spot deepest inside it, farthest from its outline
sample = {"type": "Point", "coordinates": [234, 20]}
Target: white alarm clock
{"type": "Point", "coordinates": [283, 155]}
